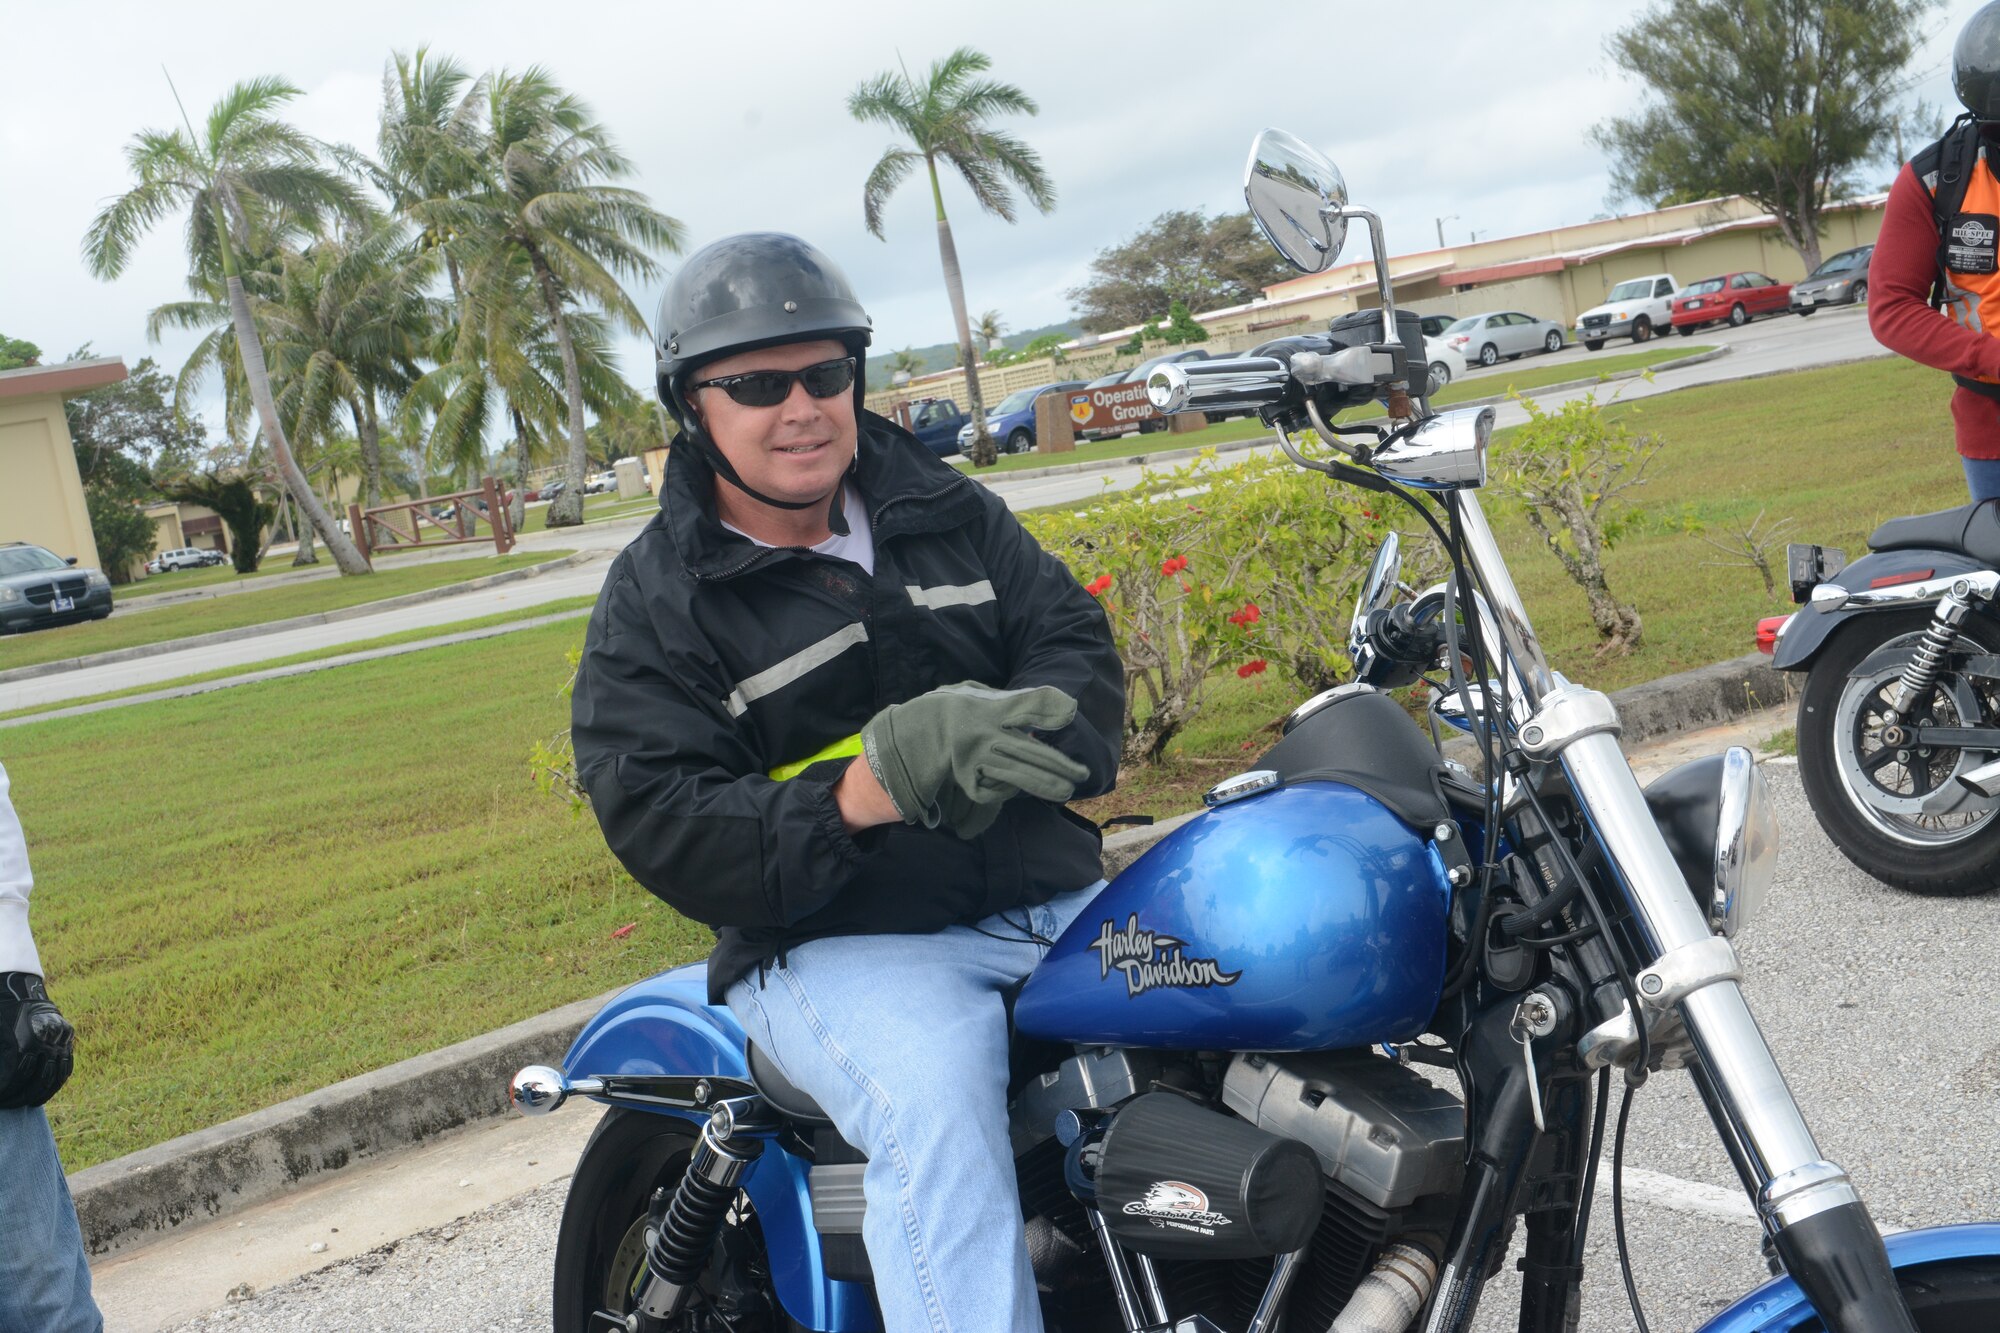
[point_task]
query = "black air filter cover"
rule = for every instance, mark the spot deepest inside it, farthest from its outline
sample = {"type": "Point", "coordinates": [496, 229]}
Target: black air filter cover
{"type": "Point", "coordinates": [1179, 1181]}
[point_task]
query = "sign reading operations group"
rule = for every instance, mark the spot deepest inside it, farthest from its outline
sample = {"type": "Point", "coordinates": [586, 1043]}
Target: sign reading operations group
{"type": "Point", "coordinates": [1115, 407]}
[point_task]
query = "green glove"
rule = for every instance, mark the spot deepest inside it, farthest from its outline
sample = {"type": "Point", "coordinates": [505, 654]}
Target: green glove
{"type": "Point", "coordinates": [953, 756]}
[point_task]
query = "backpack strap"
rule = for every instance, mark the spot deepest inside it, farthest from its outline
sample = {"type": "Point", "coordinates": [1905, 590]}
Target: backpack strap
{"type": "Point", "coordinates": [1944, 169]}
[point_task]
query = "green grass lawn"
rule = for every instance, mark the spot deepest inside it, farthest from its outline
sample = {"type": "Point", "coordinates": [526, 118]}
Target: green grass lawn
{"type": "Point", "coordinates": [1839, 449]}
{"type": "Point", "coordinates": [1523, 376]}
{"type": "Point", "coordinates": [596, 508]}
{"type": "Point", "coordinates": [358, 870]}
{"type": "Point", "coordinates": [219, 613]}
{"type": "Point", "coordinates": [182, 580]}
{"type": "Point", "coordinates": [337, 650]}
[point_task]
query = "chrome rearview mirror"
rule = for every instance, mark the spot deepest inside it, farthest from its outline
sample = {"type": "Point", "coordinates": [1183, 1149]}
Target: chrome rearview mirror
{"type": "Point", "coordinates": [1298, 198]}
{"type": "Point", "coordinates": [1447, 453]}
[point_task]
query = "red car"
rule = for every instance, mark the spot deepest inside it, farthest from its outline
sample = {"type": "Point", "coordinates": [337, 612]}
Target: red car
{"type": "Point", "coordinates": [1735, 297]}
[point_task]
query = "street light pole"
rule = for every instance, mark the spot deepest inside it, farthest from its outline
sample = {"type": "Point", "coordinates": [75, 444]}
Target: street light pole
{"type": "Point", "coordinates": [1440, 223]}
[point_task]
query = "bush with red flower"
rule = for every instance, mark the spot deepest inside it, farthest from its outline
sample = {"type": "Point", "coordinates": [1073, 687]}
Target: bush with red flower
{"type": "Point", "coordinates": [1256, 568]}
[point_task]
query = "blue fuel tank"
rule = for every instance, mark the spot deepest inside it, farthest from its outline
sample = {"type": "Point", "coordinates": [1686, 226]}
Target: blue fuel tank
{"type": "Point", "coordinates": [1302, 918]}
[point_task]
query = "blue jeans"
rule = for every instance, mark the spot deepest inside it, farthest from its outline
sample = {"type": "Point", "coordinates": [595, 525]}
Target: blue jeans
{"type": "Point", "coordinates": [902, 1040]}
{"type": "Point", "coordinates": [1982, 477]}
{"type": "Point", "coordinates": [44, 1277]}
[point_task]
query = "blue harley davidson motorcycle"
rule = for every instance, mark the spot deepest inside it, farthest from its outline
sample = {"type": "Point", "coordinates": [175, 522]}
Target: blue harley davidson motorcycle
{"type": "Point", "coordinates": [1217, 1119]}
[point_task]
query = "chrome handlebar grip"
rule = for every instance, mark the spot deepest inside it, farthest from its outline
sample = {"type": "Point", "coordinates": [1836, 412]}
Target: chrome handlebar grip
{"type": "Point", "coordinates": [1219, 385]}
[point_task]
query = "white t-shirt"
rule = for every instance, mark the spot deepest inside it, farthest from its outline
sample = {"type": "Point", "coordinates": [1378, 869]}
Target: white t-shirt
{"type": "Point", "coordinates": [857, 547]}
{"type": "Point", "coordinates": [17, 947]}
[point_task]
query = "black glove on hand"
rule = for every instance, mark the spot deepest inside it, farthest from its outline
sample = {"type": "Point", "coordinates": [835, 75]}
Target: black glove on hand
{"type": "Point", "coordinates": [953, 756]}
{"type": "Point", "coordinates": [37, 1044]}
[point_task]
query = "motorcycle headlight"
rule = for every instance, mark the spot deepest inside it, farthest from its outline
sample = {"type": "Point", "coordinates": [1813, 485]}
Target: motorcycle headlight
{"type": "Point", "coordinates": [1746, 844]}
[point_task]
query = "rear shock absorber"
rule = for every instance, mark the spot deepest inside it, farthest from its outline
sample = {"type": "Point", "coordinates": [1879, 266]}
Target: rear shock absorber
{"type": "Point", "coordinates": [685, 1222]}
{"type": "Point", "coordinates": [1920, 676]}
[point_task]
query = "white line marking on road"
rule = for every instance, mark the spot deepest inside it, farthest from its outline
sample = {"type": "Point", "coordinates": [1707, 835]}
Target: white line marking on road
{"type": "Point", "coordinates": [1682, 1196]}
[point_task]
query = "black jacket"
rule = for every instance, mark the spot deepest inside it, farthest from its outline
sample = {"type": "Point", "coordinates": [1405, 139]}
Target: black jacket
{"type": "Point", "coordinates": [710, 661]}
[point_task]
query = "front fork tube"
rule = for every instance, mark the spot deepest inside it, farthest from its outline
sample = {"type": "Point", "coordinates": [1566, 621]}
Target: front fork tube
{"type": "Point", "coordinates": [1500, 1119]}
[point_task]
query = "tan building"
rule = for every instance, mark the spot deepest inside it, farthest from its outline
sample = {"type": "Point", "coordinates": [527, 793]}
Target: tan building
{"type": "Point", "coordinates": [41, 495]}
{"type": "Point", "coordinates": [1554, 274]}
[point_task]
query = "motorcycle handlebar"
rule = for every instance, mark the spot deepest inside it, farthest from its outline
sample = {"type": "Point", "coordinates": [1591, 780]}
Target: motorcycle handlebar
{"type": "Point", "coordinates": [1218, 385]}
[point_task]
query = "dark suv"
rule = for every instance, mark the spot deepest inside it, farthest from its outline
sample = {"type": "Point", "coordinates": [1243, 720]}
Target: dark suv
{"type": "Point", "coordinates": [38, 588]}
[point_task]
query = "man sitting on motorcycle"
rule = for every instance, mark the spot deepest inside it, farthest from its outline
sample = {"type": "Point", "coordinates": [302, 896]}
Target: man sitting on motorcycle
{"type": "Point", "coordinates": [830, 703]}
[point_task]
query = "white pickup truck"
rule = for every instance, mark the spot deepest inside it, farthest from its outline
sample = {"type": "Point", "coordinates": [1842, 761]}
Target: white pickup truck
{"type": "Point", "coordinates": [1636, 308]}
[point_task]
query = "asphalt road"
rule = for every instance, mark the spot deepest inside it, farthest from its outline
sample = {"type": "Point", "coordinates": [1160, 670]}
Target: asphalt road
{"type": "Point", "coordinates": [1881, 1007]}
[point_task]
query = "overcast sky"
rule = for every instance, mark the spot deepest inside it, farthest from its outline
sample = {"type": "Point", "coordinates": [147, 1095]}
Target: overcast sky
{"type": "Point", "coordinates": [734, 116]}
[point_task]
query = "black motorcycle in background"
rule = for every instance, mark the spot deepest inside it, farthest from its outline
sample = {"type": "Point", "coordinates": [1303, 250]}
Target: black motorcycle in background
{"type": "Point", "coordinates": [1899, 720]}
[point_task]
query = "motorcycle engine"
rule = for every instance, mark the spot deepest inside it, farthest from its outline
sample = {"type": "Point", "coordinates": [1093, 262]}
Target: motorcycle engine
{"type": "Point", "coordinates": [1390, 1146]}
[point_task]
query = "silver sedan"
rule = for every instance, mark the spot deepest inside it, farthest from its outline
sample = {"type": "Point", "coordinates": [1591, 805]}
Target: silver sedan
{"type": "Point", "coordinates": [1502, 333]}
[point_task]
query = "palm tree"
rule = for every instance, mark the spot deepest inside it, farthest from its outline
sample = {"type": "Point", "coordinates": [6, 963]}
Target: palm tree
{"type": "Point", "coordinates": [243, 181]}
{"type": "Point", "coordinates": [349, 325]}
{"type": "Point", "coordinates": [427, 144]}
{"type": "Point", "coordinates": [945, 117]}
{"type": "Point", "coordinates": [990, 329]}
{"type": "Point", "coordinates": [540, 195]}
{"type": "Point", "coordinates": [905, 362]}
{"type": "Point", "coordinates": [504, 363]}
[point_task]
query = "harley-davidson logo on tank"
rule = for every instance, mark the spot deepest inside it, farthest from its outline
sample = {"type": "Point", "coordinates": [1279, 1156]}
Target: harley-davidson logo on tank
{"type": "Point", "coordinates": [1149, 960]}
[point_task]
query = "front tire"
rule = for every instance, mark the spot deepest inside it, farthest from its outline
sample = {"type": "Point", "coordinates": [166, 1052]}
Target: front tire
{"type": "Point", "coordinates": [1867, 796]}
{"type": "Point", "coordinates": [1553, 343]}
{"type": "Point", "coordinates": [1642, 330]}
{"type": "Point", "coordinates": [1860, 295]}
{"type": "Point", "coordinates": [1021, 441]}
{"type": "Point", "coordinates": [601, 1245]}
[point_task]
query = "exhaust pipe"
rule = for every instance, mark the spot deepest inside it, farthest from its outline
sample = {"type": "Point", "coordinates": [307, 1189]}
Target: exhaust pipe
{"type": "Point", "coordinates": [1392, 1294]}
{"type": "Point", "coordinates": [1984, 780]}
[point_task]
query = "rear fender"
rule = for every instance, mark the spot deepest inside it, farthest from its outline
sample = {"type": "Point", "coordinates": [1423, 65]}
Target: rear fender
{"type": "Point", "coordinates": [665, 1025]}
{"type": "Point", "coordinates": [1810, 628]}
{"type": "Point", "coordinates": [1779, 1306]}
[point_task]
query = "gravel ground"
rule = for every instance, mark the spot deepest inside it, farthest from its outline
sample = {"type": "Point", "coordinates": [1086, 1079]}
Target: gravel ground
{"type": "Point", "coordinates": [1880, 1005]}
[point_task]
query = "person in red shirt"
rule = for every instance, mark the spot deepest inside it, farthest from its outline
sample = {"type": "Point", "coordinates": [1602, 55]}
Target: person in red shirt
{"type": "Point", "coordinates": [1934, 281]}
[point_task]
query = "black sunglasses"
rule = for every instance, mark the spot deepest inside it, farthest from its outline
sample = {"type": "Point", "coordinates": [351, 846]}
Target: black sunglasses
{"type": "Point", "coordinates": [768, 388]}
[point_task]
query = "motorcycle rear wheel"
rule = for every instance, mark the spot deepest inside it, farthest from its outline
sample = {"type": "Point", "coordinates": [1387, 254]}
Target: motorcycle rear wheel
{"type": "Point", "coordinates": [1934, 855]}
{"type": "Point", "coordinates": [1956, 1296]}
{"type": "Point", "coordinates": [601, 1245]}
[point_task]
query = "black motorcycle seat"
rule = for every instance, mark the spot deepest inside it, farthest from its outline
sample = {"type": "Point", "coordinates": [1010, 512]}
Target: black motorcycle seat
{"type": "Point", "coordinates": [1972, 530]}
{"type": "Point", "coordinates": [778, 1090]}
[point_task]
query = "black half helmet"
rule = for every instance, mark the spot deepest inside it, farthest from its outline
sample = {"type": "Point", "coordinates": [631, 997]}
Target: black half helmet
{"type": "Point", "coordinates": [756, 289]}
{"type": "Point", "coordinates": [1975, 63]}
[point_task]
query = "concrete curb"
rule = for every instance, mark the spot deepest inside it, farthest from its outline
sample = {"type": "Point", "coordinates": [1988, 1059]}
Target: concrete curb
{"type": "Point", "coordinates": [259, 1156]}
{"type": "Point", "coordinates": [296, 622]}
{"type": "Point", "coordinates": [1232, 446]}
